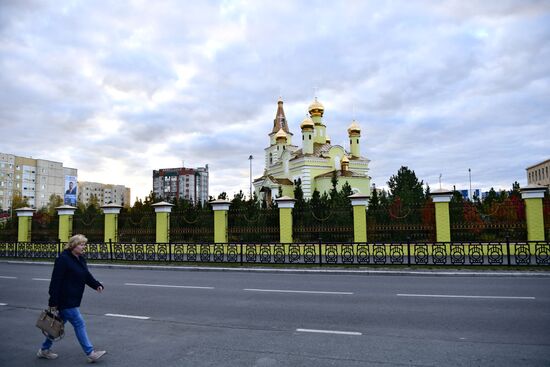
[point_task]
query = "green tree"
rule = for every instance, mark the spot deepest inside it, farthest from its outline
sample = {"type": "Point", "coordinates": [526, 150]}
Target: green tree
{"type": "Point", "coordinates": [374, 202]}
{"type": "Point", "coordinates": [405, 185]}
{"type": "Point", "coordinates": [53, 202]}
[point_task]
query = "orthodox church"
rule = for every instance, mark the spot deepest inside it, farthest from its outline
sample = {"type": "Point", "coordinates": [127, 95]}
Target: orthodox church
{"type": "Point", "coordinates": [315, 162]}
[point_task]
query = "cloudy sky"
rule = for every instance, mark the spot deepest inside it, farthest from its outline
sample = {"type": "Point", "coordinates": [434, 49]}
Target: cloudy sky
{"type": "Point", "coordinates": [119, 88]}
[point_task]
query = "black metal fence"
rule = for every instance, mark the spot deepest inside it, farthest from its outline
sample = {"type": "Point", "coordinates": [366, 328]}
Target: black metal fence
{"type": "Point", "coordinates": [323, 224]}
{"type": "Point", "coordinates": [409, 253]}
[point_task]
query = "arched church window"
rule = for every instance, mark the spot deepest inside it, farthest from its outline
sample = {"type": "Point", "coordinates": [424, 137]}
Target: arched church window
{"type": "Point", "coordinates": [270, 158]}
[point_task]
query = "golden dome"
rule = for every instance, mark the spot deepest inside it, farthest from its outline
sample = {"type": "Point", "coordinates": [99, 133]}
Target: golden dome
{"type": "Point", "coordinates": [307, 122]}
{"type": "Point", "coordinates": [354, 128]}
{"type": "Point", "coordinates": [280, 134]}
{"type": "Point", "coordinates": [345, 159]}
{"type": "Point", "coordinates": [316, 108]}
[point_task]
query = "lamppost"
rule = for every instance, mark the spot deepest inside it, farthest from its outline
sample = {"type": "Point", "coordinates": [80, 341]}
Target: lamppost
{"type": "Point", "coordinates": [250, 158]}
{"type": "Point", "coordinates": [470, 176]}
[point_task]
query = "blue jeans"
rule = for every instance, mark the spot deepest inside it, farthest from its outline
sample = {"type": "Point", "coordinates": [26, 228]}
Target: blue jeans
{"type": "Point", "coordinates": [75, 318]}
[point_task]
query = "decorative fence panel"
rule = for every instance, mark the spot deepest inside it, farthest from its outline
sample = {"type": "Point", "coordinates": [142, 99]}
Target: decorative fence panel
{"type": "Point", "coordinates": [323, 224]}
{"type": "Point", "coordinates": [90, 224]}
{"type": "Point", "coordinates": [253, 225]}
{"type": "Point", "coordinates": [45, 227]}
{"type": "Point", "coordinates": [535, 253]}
{"type": "Point", "coordinates": [546, 214]}
{"type": "Point", "coordinates": [140, 228]}
{"type": "Point", "coordinates": [193, 225]}
{"type": "Point", "coordinates": [398, 223]}
{"type": "Point", "coordinates": [470, 222]}
{"type": "Point", "coordinates": [8, 229]}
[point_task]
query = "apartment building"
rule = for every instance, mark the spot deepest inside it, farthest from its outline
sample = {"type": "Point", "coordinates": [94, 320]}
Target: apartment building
{"type": "Point", "coordinates": [35, 180]}
{"type": "Point", "coordinates": [186, 183]}
{"type": "Point", "coordinates": [539, 174]}
{"type": "Point", "coordinates": [105, 193]}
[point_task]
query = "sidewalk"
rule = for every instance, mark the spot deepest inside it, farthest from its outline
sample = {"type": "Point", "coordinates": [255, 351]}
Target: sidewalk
{"type": "Point", "coordinates": [333, 270]}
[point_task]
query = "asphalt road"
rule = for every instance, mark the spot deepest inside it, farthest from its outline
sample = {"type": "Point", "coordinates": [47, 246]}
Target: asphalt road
{"type": "Point", "coordinates": [190, 318]}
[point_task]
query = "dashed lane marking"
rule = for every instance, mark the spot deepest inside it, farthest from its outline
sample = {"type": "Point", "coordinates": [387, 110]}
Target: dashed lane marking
{"type": "Point", "coordinates": [6, 277]}
{"type": "Point", "coordinates": [460, 296]}
{"type": "Point", "coordinates": [127, 316]}
{"type": "Point", "coordinates": [355, 333]}
{"type": "Point", "coordinates": [295, 291]}
{"type": "Point", "coordinates": [167, 286]}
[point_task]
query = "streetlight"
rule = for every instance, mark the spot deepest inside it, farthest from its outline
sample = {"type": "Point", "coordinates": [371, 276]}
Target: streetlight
{"type": "Point", "coordinates": [470, 175]}
{"type": "Point", "coordinates": [250, 158]}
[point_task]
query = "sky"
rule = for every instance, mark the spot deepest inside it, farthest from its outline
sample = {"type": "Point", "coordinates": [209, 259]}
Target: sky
{"type": "Point", "coordinates": [119, 88]}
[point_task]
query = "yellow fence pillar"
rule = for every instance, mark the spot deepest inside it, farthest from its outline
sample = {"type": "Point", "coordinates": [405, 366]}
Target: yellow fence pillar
{"type": "Point", "coordinates": [285, 204]}
{"type": "Point", "coordinates": [441, 199]}
{"type": "Point", "coordinates": [66, 213]}
{"type": "Point", "coordinates": [359, 203]}
{"type": "Point", "coordinates": [533, 195]}
{"type": "Point", "coordinates": [221, 210]}
{"type": "Point", "coordinates": [24, 226]}
{"type": "Point", "coordinates": [163, 210]}
{"type": "Point", "coordinates": [110, 228]}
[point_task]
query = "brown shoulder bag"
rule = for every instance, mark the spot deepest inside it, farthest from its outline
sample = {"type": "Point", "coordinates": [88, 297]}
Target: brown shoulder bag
{"type": "Point", "coordinates": [51, 324]}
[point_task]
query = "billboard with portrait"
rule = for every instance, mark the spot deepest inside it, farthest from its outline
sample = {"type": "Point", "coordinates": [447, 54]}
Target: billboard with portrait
{"type": "Point", "coordinates": [70, 190]}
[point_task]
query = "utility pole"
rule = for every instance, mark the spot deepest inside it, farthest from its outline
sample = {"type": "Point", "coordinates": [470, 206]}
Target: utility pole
{"type": "Point", "coordinates": [470, 175]}
{"type": "Point", "coordinates": [250, 158]}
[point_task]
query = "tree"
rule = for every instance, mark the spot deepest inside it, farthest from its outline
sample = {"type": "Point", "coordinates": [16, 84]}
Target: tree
{"type": "Point", "coordinates": [334, 182]}
{"type": "Point", "coordinates": [374, 202]}
{"type": "Point", "coordinates": [19, 202]}
{"type": "Point", "coordinates": [54, 202]}
{"type": "Point", "coordinates": [405, 185]}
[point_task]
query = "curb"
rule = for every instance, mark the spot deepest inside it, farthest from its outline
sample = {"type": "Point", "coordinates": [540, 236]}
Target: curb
{"type": "Point", "coordinates": [363, 272]}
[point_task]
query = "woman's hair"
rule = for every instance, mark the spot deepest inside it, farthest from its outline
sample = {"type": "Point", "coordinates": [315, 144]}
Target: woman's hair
{"type": "Point", "coordinates": [77, 239]}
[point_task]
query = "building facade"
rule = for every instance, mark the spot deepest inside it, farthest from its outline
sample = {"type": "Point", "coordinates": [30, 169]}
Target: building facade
{"type": "Point", "coordinates": [35, 180]}
{"type": "Point", "coordinates": [104, 193]}
{"type": "Point", "coordinates": [315, 162]}
{"type": "Point", "coordinates": [539, 174]}
{"type": "Point", "coordinates": [182, 183]}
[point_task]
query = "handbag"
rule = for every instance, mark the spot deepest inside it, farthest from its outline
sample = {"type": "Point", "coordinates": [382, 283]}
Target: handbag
{"type": "Point", "coordinates": [51, 324]}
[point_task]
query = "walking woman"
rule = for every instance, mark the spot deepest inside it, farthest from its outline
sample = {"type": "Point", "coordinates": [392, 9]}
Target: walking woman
{"type": "Point", "coordinates": [70, 275]}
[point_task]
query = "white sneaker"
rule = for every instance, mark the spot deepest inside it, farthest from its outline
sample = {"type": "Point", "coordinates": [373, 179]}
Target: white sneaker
{"type": "Point", "coordinates": [95, 355]}
{"type": "Point", "coordinates": [46, 353]}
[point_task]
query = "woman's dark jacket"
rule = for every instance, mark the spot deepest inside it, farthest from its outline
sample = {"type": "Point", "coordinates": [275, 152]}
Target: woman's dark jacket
{"type": "Point", "coordinates": [70, 275]}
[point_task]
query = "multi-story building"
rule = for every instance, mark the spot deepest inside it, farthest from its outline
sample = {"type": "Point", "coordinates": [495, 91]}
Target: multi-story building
{"type": "Point", "coordinates": [105, 193]}
{"type": "Point", "coordinates": [35, 180]}
{"type": "Point", "coordinates": [186, 183]}
{"type": "Point", "coordinates": [539, 174]}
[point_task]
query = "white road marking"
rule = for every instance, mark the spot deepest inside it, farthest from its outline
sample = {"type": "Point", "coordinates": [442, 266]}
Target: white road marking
{"type": "Point", "coordinates": [290, 291]}
{"type": "Point", "coordinates": [6, 277]}
{"type": "Point", "coordinates": [41, 279]}
{"type": "Point", "coordinates": [128, 316]}
{"type": "Point", "coordinates": [460, 296]}
{"type": "Point", "coordinates": [167, 286]}
{"type": "Point", "coordinates": [329, 332]}
{"type": "Point", "coordinates": [3, 304]}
